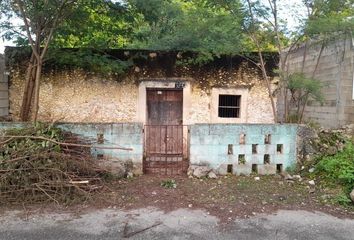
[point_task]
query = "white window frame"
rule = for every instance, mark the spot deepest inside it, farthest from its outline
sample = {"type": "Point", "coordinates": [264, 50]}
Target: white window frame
{"type": "Point", "coordinates": [215, 92]}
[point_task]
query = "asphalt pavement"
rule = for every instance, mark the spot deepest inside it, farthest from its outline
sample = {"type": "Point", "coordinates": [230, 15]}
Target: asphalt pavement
{"type": "Point", "coordinates": [150, 223]}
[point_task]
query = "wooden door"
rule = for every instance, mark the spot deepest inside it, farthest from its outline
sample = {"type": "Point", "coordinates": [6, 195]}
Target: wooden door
{"type": "Point", "coordinates": [164, 132]}
{"type": "Point", "coordinates": [165, 107]}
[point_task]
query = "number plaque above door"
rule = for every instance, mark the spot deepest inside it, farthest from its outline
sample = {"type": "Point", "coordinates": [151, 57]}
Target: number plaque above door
{"type": "Point", "coordinates": [180, 85]}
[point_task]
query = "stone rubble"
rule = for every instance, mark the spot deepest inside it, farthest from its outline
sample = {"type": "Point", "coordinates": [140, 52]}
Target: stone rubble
{"type": "Point", "coordinates": [312, 182]}
{"type": "Point", "coordinates": [201, 172]}
{"type": "Point", "coordinates": [352, 193]}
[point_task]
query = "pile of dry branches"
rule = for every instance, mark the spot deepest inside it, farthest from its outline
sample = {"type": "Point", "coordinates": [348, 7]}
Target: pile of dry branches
{"type": "Point", "coordinates": [42, 163]}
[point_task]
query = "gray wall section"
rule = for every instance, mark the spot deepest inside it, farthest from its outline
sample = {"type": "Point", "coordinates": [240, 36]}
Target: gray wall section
{"type": "Point", "coordinates": [209, 144]}
{"type": "Point", "coordinates": [127, 135]}
{"type": "Point", "coordinates": [220, 146]}
{"type": "Point", "coordinates": [4, 89]}
{"type": "Point", "coordinates": [335, 71]}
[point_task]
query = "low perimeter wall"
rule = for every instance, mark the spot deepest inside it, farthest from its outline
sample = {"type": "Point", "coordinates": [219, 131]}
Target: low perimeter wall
{"type": "Point", "coordinates": [227, 148]}
{"type": "Point", "coordinates": [126, 135]}
{"type": "Point", "coordinates": [239, 149]}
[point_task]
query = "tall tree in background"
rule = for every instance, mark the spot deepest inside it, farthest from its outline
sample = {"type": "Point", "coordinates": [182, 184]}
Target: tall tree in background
{"type": "Point", "coordinates": [98, 24]}
{"type": "Point", "coordinates": [207, 27]}
{"type": "Point", "coordinates": [40, 20]}
{"type": "Point", "coordinates": [256, 29]}
{"type": "Point", "coordinates": [329, 16]}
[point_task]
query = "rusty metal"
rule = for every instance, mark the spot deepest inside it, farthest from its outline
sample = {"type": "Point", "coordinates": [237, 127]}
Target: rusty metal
{"type": "Point", "coordinates": [166, 149]}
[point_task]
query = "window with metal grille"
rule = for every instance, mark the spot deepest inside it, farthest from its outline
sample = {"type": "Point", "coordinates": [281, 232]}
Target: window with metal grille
{"type": "Point", "coordinates": [229, 106]}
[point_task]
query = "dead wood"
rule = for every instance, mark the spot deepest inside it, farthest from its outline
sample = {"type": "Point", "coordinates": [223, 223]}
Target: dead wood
{"type": "Point", "coordinates": [131, 234]}
{"type": "Point", "coordinates": [63, 143]}
{"type": "Point", "coordinates": [42, 163]}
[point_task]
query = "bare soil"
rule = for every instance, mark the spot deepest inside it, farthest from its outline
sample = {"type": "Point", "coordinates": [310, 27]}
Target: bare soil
{"type": "Point", "coordinates": [227, 197]}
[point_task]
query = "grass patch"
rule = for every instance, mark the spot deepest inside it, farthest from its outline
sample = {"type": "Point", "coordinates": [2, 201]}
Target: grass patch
{"type": "Point", "coordinates": [338, 170]}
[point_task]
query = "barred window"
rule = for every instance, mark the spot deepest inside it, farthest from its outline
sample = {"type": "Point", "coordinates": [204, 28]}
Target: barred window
{"type": "Point", "coordinates": [229, 106]}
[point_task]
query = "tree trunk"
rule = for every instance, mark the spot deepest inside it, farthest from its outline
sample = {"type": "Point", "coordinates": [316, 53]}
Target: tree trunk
{"type": "Point", "coordinates": [285, 104]}
{"type": "Point", "coordinates": [303, 108]}
{"type": "Point", "coordinates": [28, 89]}
{"type": "Point", "coordinates": [36, 89]}
{"type": "Point", "coordinates": [265, 76]}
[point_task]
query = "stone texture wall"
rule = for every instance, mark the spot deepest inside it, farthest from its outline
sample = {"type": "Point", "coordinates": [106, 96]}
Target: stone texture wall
{"type": "Point", "coordinates": [79, 96]}
{"type": "Point", "coordinates": [4, 93]}
{"type": "Point", "coordinates": [75, 97]}
{"type": "Point", "coordinates": [335, 71]}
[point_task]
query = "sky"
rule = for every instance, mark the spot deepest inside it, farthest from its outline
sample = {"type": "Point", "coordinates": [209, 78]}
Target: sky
{"type": "Point", "coordinates": [290, 10]}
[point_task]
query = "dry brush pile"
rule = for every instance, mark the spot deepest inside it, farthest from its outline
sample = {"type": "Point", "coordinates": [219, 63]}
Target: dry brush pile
{"type": "Point", "coordinates": [42, 163]}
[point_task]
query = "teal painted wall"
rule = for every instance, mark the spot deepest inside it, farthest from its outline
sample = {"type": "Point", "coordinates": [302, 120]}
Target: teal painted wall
{"type": "Point", "coordinates": [209, 145]}
{"type": "Point", "coordinates": [127, 135]}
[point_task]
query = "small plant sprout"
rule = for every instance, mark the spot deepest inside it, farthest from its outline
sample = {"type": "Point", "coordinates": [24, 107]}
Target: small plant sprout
{"type": "Point", "coordinates": [169, 183]}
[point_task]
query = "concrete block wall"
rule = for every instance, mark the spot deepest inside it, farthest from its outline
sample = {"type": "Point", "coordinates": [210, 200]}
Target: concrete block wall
{"type": "Point", "coordinates": [127, 135]}
{"type": "Point", "coordinates": [241, 148]}
{"type": "Point", "coordinates": [335, 71]}
{"type": "Point", "coordinates": [4, 89]}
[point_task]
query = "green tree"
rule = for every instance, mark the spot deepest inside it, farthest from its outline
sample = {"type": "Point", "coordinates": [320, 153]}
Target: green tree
{"type": "Point", "coordinates": [328, 17]}
{"type": "Point", "coordinates": [40, 20]}
{"type": "Point", "coordinates": [96, 24]}
{"type": "Point", "coordinates": [209, 28]}
{"type": "Point", "coordinates": [302, 88]}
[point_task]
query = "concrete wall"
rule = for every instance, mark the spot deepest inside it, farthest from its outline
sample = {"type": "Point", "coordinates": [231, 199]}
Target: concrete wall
{"type": "Point", "coordinates": [127, 135]}
{"type": "Point", "coordinates": [335, 71]}
{"type": "Point", "coordinates": [215, 145]}
{"type": "Point", "coordinates": [4, 91]}
{"type": "Point", "coordinates": [220, 145]}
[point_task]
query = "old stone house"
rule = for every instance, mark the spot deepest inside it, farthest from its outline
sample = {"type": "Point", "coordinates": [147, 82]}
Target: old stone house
{"type": "Point", "coordinates": [170, 114]}
{"type": "Point", "coordinates": [335, 71]}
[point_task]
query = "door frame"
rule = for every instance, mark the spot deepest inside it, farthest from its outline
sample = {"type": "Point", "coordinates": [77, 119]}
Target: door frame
{"type": "Point", "coordinates": [163, 85]}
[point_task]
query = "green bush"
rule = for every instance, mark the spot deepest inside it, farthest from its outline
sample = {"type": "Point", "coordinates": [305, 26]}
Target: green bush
{"type": "Point", "coordinates": [339, 169]}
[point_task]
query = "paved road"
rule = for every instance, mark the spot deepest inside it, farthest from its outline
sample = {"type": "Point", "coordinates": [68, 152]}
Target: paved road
{"type": "Point", "coordinates": [180, 224]}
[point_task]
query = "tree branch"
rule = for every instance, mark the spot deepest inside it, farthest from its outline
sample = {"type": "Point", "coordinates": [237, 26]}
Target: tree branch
{"type": "Point", "coordinates": [63, 144]}
{"type": "Point", "coordinates": [27, 27]}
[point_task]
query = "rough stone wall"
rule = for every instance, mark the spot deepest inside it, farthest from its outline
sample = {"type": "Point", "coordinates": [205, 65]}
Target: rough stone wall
{"type": "Point", "coordinates": [78, 96]}
{"type": "Point", "coordinates": [259, 105]}
{"type": "Point", "coordinates": [4, 92]}
{"type": "Point", "coordinates": [335, 71]}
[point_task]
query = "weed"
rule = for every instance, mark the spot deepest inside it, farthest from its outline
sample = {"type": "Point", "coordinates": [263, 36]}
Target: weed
{"type": "Point", "coordinates": [339, 169]}
{"type": "Point", "coordinates": [343, 199]}
{"type": "Point", "coordinates": [169, 183]}
{"type": "Point", "coordinates": [291, 169]}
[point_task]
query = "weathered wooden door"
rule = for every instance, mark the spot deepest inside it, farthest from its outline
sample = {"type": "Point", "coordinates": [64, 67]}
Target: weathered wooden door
{"type": "Point", "coordinates": [165, 135]}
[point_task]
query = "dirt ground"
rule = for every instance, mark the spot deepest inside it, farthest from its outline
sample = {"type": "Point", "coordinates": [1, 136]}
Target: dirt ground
{"type": "Point", "coordinates": [227, 198]}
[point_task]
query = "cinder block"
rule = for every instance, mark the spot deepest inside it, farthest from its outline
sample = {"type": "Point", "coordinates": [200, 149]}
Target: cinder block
{"type": "Point", "coordinates": [4, 103]}
{"type": "Point", "coordinates": [242, 169]}
{"type": "Point", "coordinates": [267, 169]}
{"type": "Point", "coordinates": [4, 86]}
{"type": "Point", "coordinates": [222, 169]}
{"type": "Point", "coordinates": [269, 149]}
{"type": "Point", "coordinates": [4, 111]}
{"type": "Point", "coordinates": [257, 159]}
